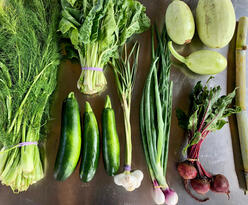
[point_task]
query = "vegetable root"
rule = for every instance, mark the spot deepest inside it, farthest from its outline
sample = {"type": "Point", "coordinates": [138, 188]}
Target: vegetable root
{"type": "Point", "coordinates": [220, 184]}
{"type": "Point", "coordinates": [186, 170]}
{"type": "Point", "coordinates": [186, 186]}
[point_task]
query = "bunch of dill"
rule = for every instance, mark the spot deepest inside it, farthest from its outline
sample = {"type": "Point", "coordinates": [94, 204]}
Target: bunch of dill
{"type": "Point", "coordinates": [29, 60]}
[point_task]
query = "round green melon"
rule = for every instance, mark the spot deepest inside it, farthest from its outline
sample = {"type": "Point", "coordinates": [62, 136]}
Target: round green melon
{"type": "Point", "coordinates": [180, 23]}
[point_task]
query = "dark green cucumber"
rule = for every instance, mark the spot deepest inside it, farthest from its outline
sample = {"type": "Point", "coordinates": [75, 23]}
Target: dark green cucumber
{"type": "Point", "coordinates": [70, 139]}
{"type": "Point", "coordinates": [90, 150]}
{"type": "Point", "coordinates": [111, 144]}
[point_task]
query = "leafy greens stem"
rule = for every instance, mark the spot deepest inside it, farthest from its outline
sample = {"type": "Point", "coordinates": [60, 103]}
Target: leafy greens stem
{"type": "Point", "coordinates": [91, 81]}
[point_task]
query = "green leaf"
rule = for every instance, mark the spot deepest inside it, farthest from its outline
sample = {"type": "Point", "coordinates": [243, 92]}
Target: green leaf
{"type": "Point", "coordinates": [95, 33]}
{"type": "Point", "coordinates": [193, 141]}
{"type": "Point", "coordinates": [70, 14]}
{"type": "Point", "coordinates": [205, 98]}
{"type": "Point", "coordinates": [72, 2]}
{"type": "Point", "coordinates": [65, 26]}
{"type": "Point", "coordinates": [229, 111]}
{"type": "Point", "coordinates": [136, 21]}
{"type": "Point", "coordinates": [185, 149]}
{"type": "Point", "coordinates": [193, 120]}
{"type": "Point", "coordinates": [182, 118]}
{"type": "Point", "coordinates": [220, 110]}
{"type": "Point", "coordinates": [74, 37]}
{"type": "Point", "coordinates": [108, 28]}
{"type": "Point", "coordinates": [219, 124]}
{"type": "Point", "coordinates": [86, 28]}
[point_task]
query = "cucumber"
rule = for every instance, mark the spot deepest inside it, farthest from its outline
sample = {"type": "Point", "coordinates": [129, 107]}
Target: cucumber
{"type": "Point", "coordinates": [70, 139]}
{"type": "Point", "coordinates": [111, 145]}
{"type": "Point", "coordinates": [90, 150]}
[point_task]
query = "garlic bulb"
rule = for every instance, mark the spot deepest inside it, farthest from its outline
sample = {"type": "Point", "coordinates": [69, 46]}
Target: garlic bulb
{"type": "Point", "coordinates": [129, 180]}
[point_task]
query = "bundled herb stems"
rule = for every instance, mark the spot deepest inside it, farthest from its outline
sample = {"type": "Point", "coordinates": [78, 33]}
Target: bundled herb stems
{"type": "Point", "coordinates": [29, 61]}
{"type": "Point", "coordinates": [155, 120]}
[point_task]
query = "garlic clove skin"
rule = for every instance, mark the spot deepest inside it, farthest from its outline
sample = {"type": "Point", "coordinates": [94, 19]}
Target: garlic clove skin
{"type": "Point", "coordinates": [139, 177]}
{"type": "Point", "coordinates": [126, 180]}
{"type": "Point", "coordinates": [119, 179]}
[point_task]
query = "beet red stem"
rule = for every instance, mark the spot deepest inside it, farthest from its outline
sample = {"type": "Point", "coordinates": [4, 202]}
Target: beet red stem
{"type": "Point", "coordinates": [199, 169]}
{"type": "Point", "coordinates": [203, 119]}
{"type": "Point", "coordinates": [205, 172]}
{"type": "Point", "coordinates": [194, 152]}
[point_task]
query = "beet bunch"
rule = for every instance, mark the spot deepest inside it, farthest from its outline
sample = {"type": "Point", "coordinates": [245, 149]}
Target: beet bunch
{"type": "Point", "coordinates": [207, 114]}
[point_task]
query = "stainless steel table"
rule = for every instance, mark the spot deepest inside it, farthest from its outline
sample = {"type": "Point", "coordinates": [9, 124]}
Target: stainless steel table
{"type": "Point", "coordinates": [217, 154]}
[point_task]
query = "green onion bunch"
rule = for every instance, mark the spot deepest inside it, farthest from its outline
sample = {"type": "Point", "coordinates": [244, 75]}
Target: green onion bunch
{"type": "Point", "coordinates": [155, 119]}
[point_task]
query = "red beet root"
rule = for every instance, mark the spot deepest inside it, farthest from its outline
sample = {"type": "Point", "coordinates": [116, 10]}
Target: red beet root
{"type": "Point", "coordinates": [201, 186]}
{"type": "Point", "coordinates": [186, 182]}
{"type": "Point", "coordinates": [220, 184]}
{"type": "Point", "coordinates": [186, 170]}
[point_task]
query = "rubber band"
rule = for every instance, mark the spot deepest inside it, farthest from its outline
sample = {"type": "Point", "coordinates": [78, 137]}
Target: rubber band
{"type": "Point", "coordinates": [92, 68]}
{"type": "Point", "coordinates": [158, 187]}
{"type": "Point", "coordinates": [20, 145]}
{"type": "Point", "coordinates": [193, 160]}
{"type": "Point", "coordinates": [127, 168]}
{"type": "Point", "coordinates": [27, 143]}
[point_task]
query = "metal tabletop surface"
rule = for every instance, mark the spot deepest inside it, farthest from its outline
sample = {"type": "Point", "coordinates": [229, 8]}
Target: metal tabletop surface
{"type": "Point", "coordinates": [220, 152]}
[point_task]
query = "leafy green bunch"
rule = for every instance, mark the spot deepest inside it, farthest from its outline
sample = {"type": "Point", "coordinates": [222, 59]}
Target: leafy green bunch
{"type": "Point", "coordinates": [97, 28]}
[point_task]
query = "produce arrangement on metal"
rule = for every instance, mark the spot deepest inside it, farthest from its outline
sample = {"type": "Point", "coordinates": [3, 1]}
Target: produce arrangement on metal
{"type": "Point", "coordinates": [38, 37]}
